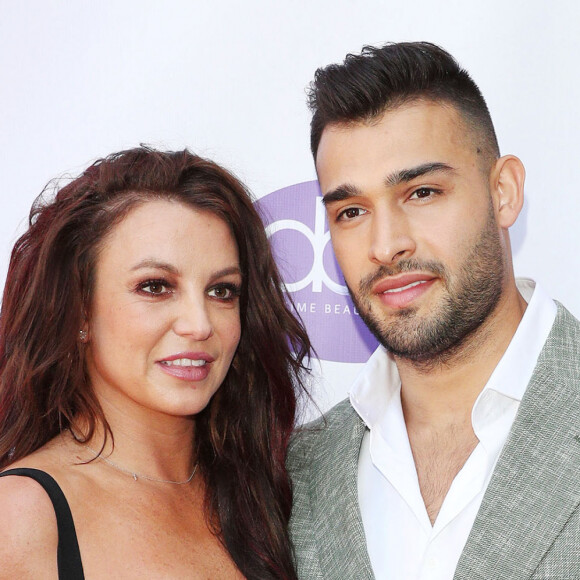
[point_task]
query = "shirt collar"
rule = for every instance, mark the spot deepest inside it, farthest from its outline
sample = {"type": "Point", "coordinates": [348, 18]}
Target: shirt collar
{"type": "Point", "coordinates": [377, 384]}
{"type": "Point", "coordinates": [375, 387]}
{"type": "Point", "coordinates": [514, 371]}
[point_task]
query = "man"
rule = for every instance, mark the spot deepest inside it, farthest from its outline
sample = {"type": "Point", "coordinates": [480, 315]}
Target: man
{"type": "Point", "coordinates": [458, 453]}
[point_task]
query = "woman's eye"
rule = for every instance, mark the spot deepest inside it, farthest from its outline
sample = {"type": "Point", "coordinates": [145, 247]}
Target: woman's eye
{"type": "Point", "coordinates": [224, 292]}
{"type": "Point", "coordinates": [156, 287]}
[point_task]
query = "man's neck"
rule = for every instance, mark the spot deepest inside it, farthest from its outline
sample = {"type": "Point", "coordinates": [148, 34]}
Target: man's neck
{"type": "Point", "coordinates": [437, 401]}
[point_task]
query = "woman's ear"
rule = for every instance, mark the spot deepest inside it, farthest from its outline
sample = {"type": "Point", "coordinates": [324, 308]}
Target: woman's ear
{"type": "Point", "coordinates": [84, 333]}
{"type": "Point", "coordinates": [508, 176]}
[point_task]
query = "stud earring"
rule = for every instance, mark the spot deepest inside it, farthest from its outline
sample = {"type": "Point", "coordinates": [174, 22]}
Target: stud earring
{"type": "Point", "coordinates": [83, 335]}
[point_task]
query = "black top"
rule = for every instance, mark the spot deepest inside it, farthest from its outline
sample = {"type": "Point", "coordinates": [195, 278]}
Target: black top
{"type": "Point", "coordinates": [69, 562]}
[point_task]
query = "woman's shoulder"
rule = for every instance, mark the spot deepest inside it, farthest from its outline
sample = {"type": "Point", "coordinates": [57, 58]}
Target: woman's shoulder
{"type": "Point", "coordinates": [22, 497]}
{"type": "Point", "coordinates": [28, 532]}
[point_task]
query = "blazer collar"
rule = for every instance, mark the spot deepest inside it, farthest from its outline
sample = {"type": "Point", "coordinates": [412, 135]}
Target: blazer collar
{"type": "Point", "coordinates": [534, 487]}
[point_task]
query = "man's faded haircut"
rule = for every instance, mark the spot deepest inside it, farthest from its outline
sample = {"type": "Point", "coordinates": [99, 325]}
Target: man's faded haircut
{"type": "Point", "coordinates": [379, 79]}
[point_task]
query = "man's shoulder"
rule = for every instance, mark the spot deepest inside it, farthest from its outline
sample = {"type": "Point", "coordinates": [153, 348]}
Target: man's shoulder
{"type": "Point", "coordinates": [327, 424]}
{"type": "Point", "coordinates": [565, 320]}
{"type": "Point", "coordinates": [331, 419]}
{"type": "Point", "coordinates": [327, 433]}
{"type": "Point", "coordinates": [563, 343]}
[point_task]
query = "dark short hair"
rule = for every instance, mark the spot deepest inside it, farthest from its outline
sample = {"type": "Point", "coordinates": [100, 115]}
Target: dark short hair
{"type": "Point", "coordinates": [367, 84]}
{"type": "Point", "coordinates": [242, 435]}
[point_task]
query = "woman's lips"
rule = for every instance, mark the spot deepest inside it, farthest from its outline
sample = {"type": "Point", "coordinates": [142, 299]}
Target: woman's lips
{"type": "Point", "coordinates": [190, 366]}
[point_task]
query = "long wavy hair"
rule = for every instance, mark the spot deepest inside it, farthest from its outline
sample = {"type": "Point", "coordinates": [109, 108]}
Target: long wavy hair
{"type": "Point", "coordinates": [242, 435]}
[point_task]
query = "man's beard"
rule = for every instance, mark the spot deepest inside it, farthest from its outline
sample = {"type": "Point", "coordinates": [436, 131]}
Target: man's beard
{"type": "Point", "coordinates": [471, 297]}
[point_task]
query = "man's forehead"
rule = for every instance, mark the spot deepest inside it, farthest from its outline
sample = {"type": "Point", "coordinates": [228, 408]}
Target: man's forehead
{"type": "Point", "coordinates": [405, 130]}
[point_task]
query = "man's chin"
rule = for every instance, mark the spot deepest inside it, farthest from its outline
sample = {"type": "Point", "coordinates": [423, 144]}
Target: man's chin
{"type": "Point", "coordinates": [383, 316]}
{"type": "Point", "coordinates": [408, 335]}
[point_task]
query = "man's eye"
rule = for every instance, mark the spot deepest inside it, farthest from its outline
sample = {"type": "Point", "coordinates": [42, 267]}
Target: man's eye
{"type": "Point", "coordinates": [350, 213]}
{"type": "Point", "coordinates": [423, 193]}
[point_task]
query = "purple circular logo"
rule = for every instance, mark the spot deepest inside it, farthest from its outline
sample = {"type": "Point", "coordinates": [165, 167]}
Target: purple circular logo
{"type": "Point", "coordinates": [296, 224]}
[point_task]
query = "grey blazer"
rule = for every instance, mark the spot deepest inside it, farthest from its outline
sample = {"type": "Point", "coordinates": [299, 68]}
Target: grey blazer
{"type": "Point", "coordinates": [528, 525]}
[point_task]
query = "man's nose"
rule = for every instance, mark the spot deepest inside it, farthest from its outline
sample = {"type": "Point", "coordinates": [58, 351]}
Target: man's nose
{"type": "Point", "coordinates": [391, 239]}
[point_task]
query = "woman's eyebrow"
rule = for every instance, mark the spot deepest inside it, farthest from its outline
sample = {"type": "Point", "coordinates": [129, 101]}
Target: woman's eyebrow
{"type": "Point", "coordinates": [154, 264]}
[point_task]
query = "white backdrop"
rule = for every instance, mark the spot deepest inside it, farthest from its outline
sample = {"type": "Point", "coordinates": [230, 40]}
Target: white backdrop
{"type": "Point", "coordinates": [81, 79]}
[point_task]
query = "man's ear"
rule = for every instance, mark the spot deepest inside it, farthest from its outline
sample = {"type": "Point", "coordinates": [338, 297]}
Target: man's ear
{"type": "Point", "coordinates": [507, 183]}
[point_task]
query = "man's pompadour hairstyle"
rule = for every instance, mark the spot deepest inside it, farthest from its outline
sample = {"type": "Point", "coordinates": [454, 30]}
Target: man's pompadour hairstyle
{"type": "Point", "coordinates": [367, 84]}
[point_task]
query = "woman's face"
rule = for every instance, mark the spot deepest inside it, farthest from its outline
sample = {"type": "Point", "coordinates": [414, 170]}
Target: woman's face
{"type": "Point", "coordinates": [164, 320]}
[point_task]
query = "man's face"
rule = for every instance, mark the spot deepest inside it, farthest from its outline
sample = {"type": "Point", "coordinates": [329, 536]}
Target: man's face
{"type": "Point", "coordinates": [413, 227]}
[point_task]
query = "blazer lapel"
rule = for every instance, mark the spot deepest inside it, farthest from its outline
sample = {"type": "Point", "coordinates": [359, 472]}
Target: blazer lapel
{"type": "Point", "coordinates": [334, 496]}
{"type": "Point", "coordinates": [534, 487]}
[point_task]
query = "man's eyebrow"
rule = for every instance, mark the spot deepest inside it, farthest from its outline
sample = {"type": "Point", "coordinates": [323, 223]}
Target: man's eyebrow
{"type": "Point", "coordinates": [347, 190]}
{"type": "Point", "coordinates": [341, 193]}
{"type": "Point", "coordinates": [406, 175]}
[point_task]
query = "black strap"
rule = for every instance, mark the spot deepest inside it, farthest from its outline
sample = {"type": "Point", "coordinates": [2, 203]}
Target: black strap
{"type": "Point", "coordinates": [69, 562]}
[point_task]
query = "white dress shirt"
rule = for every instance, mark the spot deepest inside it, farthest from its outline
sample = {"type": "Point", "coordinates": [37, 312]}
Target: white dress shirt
{"type": "Point", "coordinates": [402, 543]}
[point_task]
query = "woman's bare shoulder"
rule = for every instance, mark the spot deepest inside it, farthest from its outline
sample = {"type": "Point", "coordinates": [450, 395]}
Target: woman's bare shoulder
{"type": "Point", "coordinates": [28, 532]}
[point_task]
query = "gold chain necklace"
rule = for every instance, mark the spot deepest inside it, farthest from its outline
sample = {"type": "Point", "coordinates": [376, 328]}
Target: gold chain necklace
{"type": "Point", "coordinates": [136, 475]}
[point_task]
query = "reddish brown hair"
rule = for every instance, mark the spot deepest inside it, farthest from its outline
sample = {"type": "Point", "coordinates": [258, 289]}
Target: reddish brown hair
{"type": "Point", "coordinates": [242, 435]}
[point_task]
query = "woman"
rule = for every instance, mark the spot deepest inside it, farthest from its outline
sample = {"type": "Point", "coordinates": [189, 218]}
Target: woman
{"type": "Point", "coordinates": [146, 366]}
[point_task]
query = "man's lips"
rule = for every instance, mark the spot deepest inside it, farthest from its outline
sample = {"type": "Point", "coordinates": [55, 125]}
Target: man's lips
{"type": "Point", "coordinates": [400, 291]}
